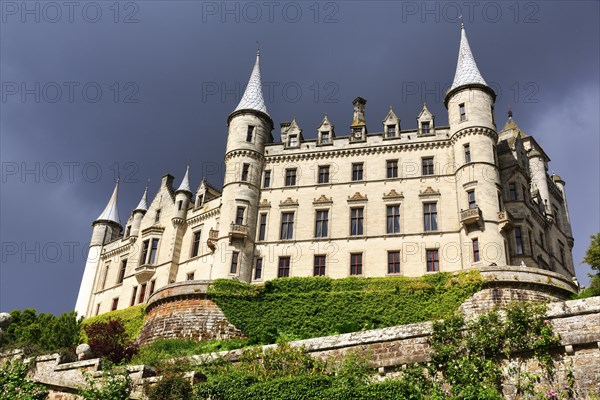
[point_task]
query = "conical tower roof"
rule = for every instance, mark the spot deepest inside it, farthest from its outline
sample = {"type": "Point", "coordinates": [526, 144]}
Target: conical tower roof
{"type": "Point", "coordinates": [111, 212]}
{"type": "Point", "coordinates": [143, 204]}
{"type": "Point", "coordinates": [253, 97]}
{"type": "Point", "coordinates": [185, 182]}
{"type": "Point", "coordinates": [467, 72]}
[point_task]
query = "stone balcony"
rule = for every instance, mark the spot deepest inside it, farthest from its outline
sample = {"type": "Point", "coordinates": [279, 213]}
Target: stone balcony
{"type": "Point", "coordinates": [213, 236]}
{"type": "Point", "coordinates": [505, 220]}
{"type": "Point", "coordinates": [238, 231]}
{"type": "Point", "coordinates": [144, 272]}
{"type": "Point", "coordinates": [470, 216]}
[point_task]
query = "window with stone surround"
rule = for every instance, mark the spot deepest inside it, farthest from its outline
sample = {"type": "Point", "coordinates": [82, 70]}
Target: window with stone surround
{"type": "Point", "coordinates": [430, 217]}
{"type": "Point", "coordinates": [142, 296]}
{"type": "Point", "coordinates": [290, 177]}
{"type": "Point", "coordinates": [258, 268]}
{"type": "Point", "coordinates": [321, 223]}
{"type": "Point", "coordinates": [323, 174]}
{"type": "Point", "coordinates": [475, 245]}
{"type": "Point", "coordinates": [115, 304]}
{"type": "Point", "coordinates": [319, 265]}
{"type": "Point", "coordinates": [467, 149]}
{"type": "Point", "coordinates": [121, 276]}
{"type": "Point", "coordinates": [234, 262]}
{"type": "Point", "coordinates": [267, 179]}
{"type": "Point", "coordinates": [391, 169]}
{"type": "Point", "coordinates": [245, 172]}
{"type": "Point", "coordinates": [356, 221]}
{"type": "Point", "coordinates": [463, 113]}
{"type": "Point", "coordinates": [471, 199]}
{"type": "Point", "coordinates": [519, 239]}
{"type": "Point", "coordinates": [287, 226]}
{"type": "Point", "coordinates": [393, 219]}
{"type": "Point", "coordinates": [427, 166]}
{"type": "Point", "coordinates": [239, 216]}
{"type": "Point", "coordinates": [249, 133]}
{"type": "Point", "coordinates": [393, 262]}
{"type": "Point", "coordinates": [433, 260]}
{"type": "Point", "coordinates": [283, 269]}
{"type": "Point", "coordinates": [356, 263]}
{"type": "Point", "coordinates": [133, 294]}
{"type": "Point", "coordinates": [357, 171]}
{"type": "Point", "coordinates": [196, 244]}
{"type": "Point", "coordinates": [262, 226]}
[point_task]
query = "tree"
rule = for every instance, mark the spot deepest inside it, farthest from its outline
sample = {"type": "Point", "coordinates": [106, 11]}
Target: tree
{"type": "Point", "coordinates": [592, 257]}
{"type": "Point", "coordinates": [109, 340]}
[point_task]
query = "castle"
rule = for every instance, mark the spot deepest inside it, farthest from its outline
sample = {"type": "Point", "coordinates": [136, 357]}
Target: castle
{"type": "Point", "coordinates": [373, 204]}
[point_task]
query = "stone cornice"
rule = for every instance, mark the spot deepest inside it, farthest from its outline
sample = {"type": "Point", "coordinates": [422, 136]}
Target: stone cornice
{"type": "Point", "coordinates": [192, 222]}
{"type": "Point", "coordinates": [153, 229]}
{"type": "Point", "coordinates": [244, 153]}
{"type": "Point", "coordinates": [116, 251]}
{"type": "Point", "coordinates": [361, 151]}
{"type": "Point", "coordinates": [474, 130]}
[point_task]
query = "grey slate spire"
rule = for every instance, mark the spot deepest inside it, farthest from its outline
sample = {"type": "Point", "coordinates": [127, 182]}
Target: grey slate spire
{"type": "Point", "coordinates": [111, 213]}
{"type": "Point", "coordinates": [185, 182]}
{"type": "Point", "coordinates": [466, 69]}
{"type": "Point", "coordinates": [253, 96]}
{"type": "Point", "coordinates": [143, 204]}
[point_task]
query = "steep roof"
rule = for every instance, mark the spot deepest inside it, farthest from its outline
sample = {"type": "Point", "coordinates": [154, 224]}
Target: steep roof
{"type": "Point", "coordinates": [111, 213]}
{"type": "Point", "coordinates": [185, 182]}
{"type": "Point", "coordinates": [253, 96]}
{"type": "Point", "coordinates": [466, 69]}
{"type": "Point", "coordinates": [143, 204]}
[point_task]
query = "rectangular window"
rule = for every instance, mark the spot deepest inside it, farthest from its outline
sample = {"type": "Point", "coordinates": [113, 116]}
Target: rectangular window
{"type": "Point", "coordinates": [433, 261]}
{"type": "Point", "coordinates": [189, 276]}
{"type": "Point", "coordinates": [512, 191]}
{"type": "Point", "coordinates": [249, 133]}
{"type": "Point", "coordinates": [493, 115]}
{"type": "Point", "coordinates": [393, 219]}
{"type": "Point", "coordinates": [145, 247]}
{"type": "Point", "coordinates": [133, 294]}
{"type": "Point", "coordinates": [142, 296]}
{"type": "Point", "coordinates": [392, 168]}
{"type": "Point", "coordinates": [106, 268]}
{"type": "Point", "coordinates": [357, 171]}
{"type": "Point", "coordinates": [97, 309]}
{"type": "Point", "coordinates": [324, 174]}
{"type": "Point", "coordinates": [258, 268]}
{"type": "Point", "coordinates": [284, 267]}
{"type": "Point", "coordinates": [471, 199]}
{"type": "Point", "coordinates": [356, 221]}
{"type": "Point", "coordinates": [467, 148]}
{"type": "Point", "coordinates": [427, 165]}
{"type": "Point", "coordinates": [475, 250]}
{"type": "Point", "coordinates": [267, 179]}
{"type": "Point", "coordinates": [430, 216]}
{"type": "Point", "coordinates": [391, 131]}
{"type": "Point", "coordinates": [157, 216]}
{"type": "Point", "coordinates": [196, 244]}
{"type": "Point", "coordinates": [463, 113]}
{"type": "Point", "coordinates": [287, 226]}
{"type": "Point", "coordinates": [293, 141]}
{"type": "Point", "coordinates": [324, 137]}
{"type": "Point", "coordinates": [115, 304]}
{"type": "Point", "coordinates": [234, 262]}
{"type": "Point", "coordinates": [321, 223]}
{"type": "Point", "coordinates": [519, 239]}
{"type": "Point", "coordinates": [290, 177]}
{"type": "Point", "coordinates": [356, 264]}
{"type": "Point", "coordinates": [525, 192]}
{"type": "Point", "coordinates": [122, 271]}
{"type": "Point", "coordinates": [152, 286]}
{"type": "Point", "coordinates": [425, 128]}
{"type": "Point", "coordinates": [245, 172]}
{"type": "Point", "coordinates": [179, 205]}
{"type": "Point", "coordinates": [199, 200]}
{"type": "Point", "coordinates": [128, 231]}
{"type": "Point", "coordinates": [262, 227]}
{"type": "Point", "coordinates": [319, 266]}
{"type": "Point", "coordinates": [530, 238]}
{"type": "Point", "coordinates": [239, 216]}
{"type": "Point", "coordinates": [542, 240]}
{"type": "Point", "coordinates": [393, 262]}
{"type": "Point", "coordinates": [153, 251]}
{"type": "Point", "coordinates": [561, 249]}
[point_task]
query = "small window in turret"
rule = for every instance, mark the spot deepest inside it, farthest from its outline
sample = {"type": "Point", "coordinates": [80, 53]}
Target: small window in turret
{"type": "Point", "coordinates": [463, 114]}
{"type": "Point", "coordinates": [245, 172]}
{"type": "Point", "coordinates": [467, 153]}
{"type": "Point", "coordinates": [179, 205]}
{"type": "Point", "coordinates": [157, 216]}
{"type": "Point", "coordinates": [128, 231]}
{"type": "Point", "coordinates": [249, 134]}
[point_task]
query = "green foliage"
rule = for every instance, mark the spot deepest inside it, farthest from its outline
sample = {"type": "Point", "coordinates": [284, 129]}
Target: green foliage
{"type": "Point", "coordinates": [172, 387]}
{"type": "Point", "coordinates": [158, 351]}
{"type": "Point", "coordinates": [109, 341]}
{"type": "Point", "coordinates": [131, 317]}
{"type": "Point", "coordinates": [114, 385]}
{"type": "Point", "coordinates": [300, 308]}
{"type": "Point", "coordinates": [41, 332]}
{"type": "Point", "coordinates": [592, 255]}
{"type": "Point", "coordinates": [15, 385]}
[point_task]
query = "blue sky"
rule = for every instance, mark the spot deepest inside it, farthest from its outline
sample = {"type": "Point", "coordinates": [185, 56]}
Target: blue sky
{"type": "Point", "coordinates": [90, 91]}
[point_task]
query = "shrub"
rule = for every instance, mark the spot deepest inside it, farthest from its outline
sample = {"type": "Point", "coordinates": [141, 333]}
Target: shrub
{"type": "Point", "coordinates": [15, 385]}
{"type": "Point", "coordinates": [109, 341]}
{"type": "Point", "coordinates": [171, 387]}
{"type": "Point", "coordinates": [132, 319]}
{"type": "Point", "coordinates": [114, 385]}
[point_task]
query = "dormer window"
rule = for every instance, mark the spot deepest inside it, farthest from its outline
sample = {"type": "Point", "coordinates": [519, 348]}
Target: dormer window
{"type": "Point", "coordinates": [199, 200]}
{"type": "Point", "coordinates": [325, 139]}
{"type": "Point", "coordinates": [293, 141]}
{"type": "Point", "coordinates": [425, 128]}
{"type": "Point", "coordinates": [357, 132]}
{"type": "Point", "coordinates": [391, 131]}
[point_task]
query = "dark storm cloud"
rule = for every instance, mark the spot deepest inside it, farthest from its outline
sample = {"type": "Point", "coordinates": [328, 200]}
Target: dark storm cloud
{"type": "Point", "coordinates": [169, 74]}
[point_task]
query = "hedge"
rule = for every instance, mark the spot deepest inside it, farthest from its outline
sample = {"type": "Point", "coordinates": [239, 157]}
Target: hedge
{"type": "Point", "coordinates": [131, 317]}
{"type": "Point", "coordinates": [301, 308]}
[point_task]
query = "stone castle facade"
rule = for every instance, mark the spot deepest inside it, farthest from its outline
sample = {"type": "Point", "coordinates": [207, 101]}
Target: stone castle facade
{"type": "Point", "coordinates": [373, 204]}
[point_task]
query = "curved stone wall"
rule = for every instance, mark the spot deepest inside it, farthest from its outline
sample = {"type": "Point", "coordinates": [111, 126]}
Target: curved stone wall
{"type": "Point", "coordinates": [182, 310]}
{"type": "Point", "coordinates": [509, 284]}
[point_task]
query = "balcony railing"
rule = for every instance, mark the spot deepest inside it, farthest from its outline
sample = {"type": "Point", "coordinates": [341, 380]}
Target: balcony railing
{"type": "Point", "coordinates": [470, 216]}
{"type": "Point", "coordinates": [144, 272]}
{"type": "Point", "coordinates": [238, 231]}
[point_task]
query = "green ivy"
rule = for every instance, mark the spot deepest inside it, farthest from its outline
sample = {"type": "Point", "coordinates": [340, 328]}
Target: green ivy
{"type": "Point", "coordinates": [115, 384]}
{"type": "Point", "coordinates": [15, 385]}
{"type": "Point", "coordinates": [300, 308]}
